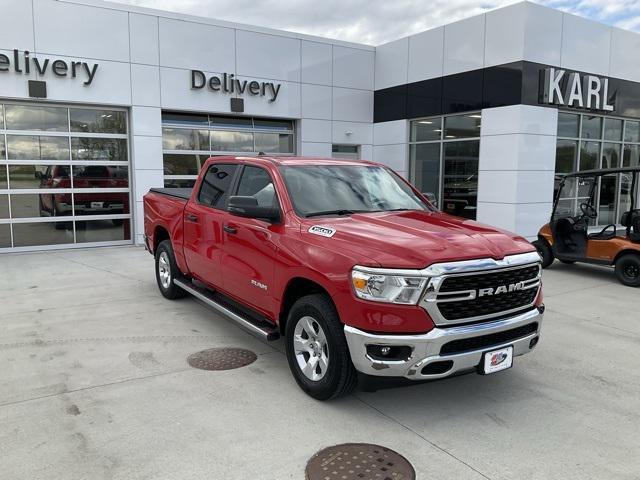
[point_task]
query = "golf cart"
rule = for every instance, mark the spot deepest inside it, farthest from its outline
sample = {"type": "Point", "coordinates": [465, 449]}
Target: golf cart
{"type": "Point", "coordinates": [584, 222]}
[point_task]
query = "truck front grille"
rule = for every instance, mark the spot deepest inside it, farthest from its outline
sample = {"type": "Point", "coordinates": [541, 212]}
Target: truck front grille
{"type": "Point", "coordinates": [487, 305]}
{"type": "Point", "coordinates": [482, 295]}
{"type": "Point", "coordinates": [485, 341]}
{"type": "Point", "coordinates": [488, 280]}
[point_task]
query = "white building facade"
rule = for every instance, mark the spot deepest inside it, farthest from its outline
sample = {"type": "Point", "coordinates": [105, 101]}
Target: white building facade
{"type": "Point", "coordinates": [100, 102]}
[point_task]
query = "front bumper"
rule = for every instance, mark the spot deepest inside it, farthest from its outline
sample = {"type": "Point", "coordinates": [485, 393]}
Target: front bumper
{"type": "Point", "coordinates": [426, 348]}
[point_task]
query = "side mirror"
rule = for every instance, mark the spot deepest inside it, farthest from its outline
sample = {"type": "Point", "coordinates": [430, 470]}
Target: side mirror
{"type": "Point", "coordinates": [248, 207]}
{"type": "Point", "coordinates": [432, 198]}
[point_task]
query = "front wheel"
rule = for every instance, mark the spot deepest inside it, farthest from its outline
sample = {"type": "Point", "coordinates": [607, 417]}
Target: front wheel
{"type": "Point", "coordinates": [545, 252]}
{"type": "Point", "coordinates": [317, 349]}
{"type": "Point", "coordinates": [628, 270]}
{"type": "Point", "coordinates": [167, 270]}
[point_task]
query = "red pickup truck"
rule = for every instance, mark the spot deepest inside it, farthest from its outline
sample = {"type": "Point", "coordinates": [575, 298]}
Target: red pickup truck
{"type": "Point", "coordinates": [351, 264]}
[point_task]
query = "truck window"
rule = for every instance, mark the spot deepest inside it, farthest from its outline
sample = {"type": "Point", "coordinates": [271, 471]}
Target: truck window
{"type": "Point", "coordinates": [256, 182]}
{"type": "Point", "coordinates": [359, 188]}
{"type": "Point", "coordinates": [215, 185]}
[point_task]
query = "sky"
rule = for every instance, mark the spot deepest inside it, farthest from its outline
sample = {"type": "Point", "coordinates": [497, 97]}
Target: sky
{"type": "Point", "coordinates": [378, 21]}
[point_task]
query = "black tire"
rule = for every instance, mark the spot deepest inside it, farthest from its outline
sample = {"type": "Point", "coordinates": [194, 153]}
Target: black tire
{"type": "Point", "coordinates": [340, 377]}
{"type": "Point", "coordinates": [545, 252]}
{"type": "Point", "coordinates": [165, 259]}
{"type": "Point", "coordinates": [628, 269]}
{"type": "Point", "coordinates": [567, 262]}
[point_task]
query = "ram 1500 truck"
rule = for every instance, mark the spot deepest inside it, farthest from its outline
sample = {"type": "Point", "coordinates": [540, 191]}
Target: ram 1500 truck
{"type": "Point", "coordinates": [351, 264]}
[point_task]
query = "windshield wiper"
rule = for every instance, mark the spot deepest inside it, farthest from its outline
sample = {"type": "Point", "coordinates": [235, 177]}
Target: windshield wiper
{"type": "Point", "coordinates": [335, 212]}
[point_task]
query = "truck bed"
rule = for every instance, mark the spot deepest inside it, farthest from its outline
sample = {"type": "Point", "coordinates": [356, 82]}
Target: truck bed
{"type": "Point", "coordinates": [164, 209]}
{"type": "Point", "coordinates": [184, 193]}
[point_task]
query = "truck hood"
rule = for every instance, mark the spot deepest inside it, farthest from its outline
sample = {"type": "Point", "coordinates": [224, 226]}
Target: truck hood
{"type": "Point", "coordinates": [413, 239]}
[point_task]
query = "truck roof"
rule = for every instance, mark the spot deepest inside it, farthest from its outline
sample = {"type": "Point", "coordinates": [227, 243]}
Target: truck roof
{"type": "Point", "coordinates": [289, 160]}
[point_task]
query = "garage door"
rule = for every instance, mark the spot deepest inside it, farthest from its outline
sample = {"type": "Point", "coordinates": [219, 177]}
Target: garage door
{"type": "Point", "coordinates": [64, 176]}
{"type": "Point", "coordinates": [188, 140]}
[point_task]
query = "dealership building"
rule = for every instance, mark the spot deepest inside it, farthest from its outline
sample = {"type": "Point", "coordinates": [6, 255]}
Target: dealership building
{"type": "Point", "coordinates": [100, 102]}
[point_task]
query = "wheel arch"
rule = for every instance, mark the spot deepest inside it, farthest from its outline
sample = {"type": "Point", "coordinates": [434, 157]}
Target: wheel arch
{"type": "Point", "coordinates": [296, 288]}
{"type": "Point", "coordinates": [160, 234]}
{"type": "Point", "coordinates": [625, 252]}
{"type": "Point", "coordinates": [542, 238]}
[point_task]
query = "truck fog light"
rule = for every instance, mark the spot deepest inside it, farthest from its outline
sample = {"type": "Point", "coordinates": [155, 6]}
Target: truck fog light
{"type": "Point", "coordinates": [389, 352]}
{"type": "Point", "coordinates": [533, 342]}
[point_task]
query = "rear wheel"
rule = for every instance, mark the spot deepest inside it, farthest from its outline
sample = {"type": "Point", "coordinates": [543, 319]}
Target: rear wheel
{"type": "Point", "coordinates": [167, 270]}
{"type": "Point", "coordinates": [545, 252]}
{"type": "Point", "coordinates": [317, 349]}
{"type": "Point", "coordinates": [628, 269]}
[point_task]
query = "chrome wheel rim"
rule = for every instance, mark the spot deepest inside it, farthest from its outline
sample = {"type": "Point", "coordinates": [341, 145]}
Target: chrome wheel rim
{"type": "Point", "coordinates": [164, 270]}
{"type": "Point", "coordinates": [311, 349]}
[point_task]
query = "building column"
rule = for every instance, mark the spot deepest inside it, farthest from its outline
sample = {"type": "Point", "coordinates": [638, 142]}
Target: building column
{"type": "Point", "coordinates": [390, 144]}
{"type": "Point", "coordinates": [516, 167]}
{"type": "Point", "coordinates": [146, 162]}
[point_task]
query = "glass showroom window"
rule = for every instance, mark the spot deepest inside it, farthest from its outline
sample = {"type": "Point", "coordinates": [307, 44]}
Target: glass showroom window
{"type": "Point", "coordinates": [444, 153]}
{"type": "Point", "coordinates": [587, 142]}
{"type": "Point", "coordinates": [346, 152]}
{"type": "Point", "coordinates": [64, 176]}
{"type": "Point", "coordinates": [188, 140]}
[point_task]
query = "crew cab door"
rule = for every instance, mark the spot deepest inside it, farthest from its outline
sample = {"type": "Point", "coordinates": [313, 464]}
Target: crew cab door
{"type": "Point", "coordinates": [204, 217]}
{"type": "Point", "coordinates": [250, 245]}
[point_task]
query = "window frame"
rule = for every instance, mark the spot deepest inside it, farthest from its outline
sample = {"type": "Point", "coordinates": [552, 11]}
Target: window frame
{"type": "Point", "coordinates": [442, 141]}
{"type": "Point", "coordinates": [602, 141]}
{"type": "Point", "coordinates": [232, 185]}
{"type": "Point", "coordinates": [342, 155]}
{"type": "Point", "coordinates": [236, 184]}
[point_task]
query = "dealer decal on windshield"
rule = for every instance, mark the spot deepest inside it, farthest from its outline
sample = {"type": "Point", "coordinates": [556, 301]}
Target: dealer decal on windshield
{"type": "Point", "coordinates": [322, 231]}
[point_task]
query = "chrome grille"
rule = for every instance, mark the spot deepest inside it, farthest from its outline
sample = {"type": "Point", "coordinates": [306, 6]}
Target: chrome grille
{"type": "Point", "coordinates": [467, 297]}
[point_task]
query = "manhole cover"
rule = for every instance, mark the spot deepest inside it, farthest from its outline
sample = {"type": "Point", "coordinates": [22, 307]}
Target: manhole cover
{"type": "Point", "coordinates": [359, 461]}
{"type": "Point", "coordinates": [221, 358]}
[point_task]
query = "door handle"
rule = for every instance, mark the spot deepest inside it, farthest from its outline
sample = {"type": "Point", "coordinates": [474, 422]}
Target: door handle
{"type": "Point", "coordinates": [190, 217]}
{"type": "Point", "coordinates": [230, 230]}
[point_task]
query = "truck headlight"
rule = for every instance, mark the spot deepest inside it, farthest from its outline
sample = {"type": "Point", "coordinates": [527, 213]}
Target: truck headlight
{"type": "Point", "coordinates": [387, 287]}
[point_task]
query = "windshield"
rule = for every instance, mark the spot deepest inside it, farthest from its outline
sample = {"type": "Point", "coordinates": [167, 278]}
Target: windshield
{"type": "Point", "coordinates": [344, 189]}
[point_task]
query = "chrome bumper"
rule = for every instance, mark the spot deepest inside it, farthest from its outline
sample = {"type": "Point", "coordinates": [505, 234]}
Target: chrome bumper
{"type": "Point", "coordinates": [426, 347]}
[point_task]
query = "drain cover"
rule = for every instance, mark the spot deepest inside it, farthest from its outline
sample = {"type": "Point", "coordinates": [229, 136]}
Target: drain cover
{"type": "Point", "coordinates": [359, 461]}
{"type": "Point", "coordinates": [221, 358]}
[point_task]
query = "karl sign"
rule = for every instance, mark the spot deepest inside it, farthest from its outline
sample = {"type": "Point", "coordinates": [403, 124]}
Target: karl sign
{"type": "Point", "coordinates": [573, 89]}
{"type": "Point", "coordinates": [228, 84]}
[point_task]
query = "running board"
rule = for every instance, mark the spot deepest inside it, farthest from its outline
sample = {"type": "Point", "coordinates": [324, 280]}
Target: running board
{"type": "Point", "coordinates": [264, 331]}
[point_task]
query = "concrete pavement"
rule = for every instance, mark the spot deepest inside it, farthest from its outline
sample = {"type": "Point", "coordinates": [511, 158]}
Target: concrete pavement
{"type": "Point", "coordinates": [95, 385]}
